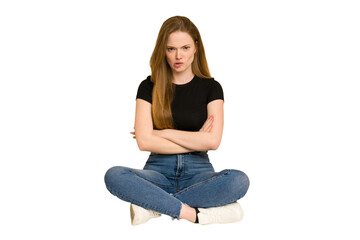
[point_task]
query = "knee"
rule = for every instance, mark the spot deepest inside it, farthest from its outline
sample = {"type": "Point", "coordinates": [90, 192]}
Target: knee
{"type": "Point", "coordinates": [114, 175]}
{"type": "Point", "coordinates": [240, 182]}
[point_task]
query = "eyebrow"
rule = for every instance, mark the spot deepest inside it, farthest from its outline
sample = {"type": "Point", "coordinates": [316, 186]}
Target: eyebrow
{"type": "Point", "coordinates": [169, 46]}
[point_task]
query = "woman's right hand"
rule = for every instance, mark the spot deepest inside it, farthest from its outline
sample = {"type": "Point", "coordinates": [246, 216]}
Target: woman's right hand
{"type": "Point", "coordinates": [207, 125]}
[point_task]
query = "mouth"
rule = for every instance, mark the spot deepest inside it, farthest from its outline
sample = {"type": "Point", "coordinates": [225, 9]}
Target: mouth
{"type": "Point", "coordinates": [178, 64]}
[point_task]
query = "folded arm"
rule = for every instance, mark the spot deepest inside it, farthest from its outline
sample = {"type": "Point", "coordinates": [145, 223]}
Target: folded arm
{"type": "Point", "coordinates": [145, 137]}
{"type": "Point", "coordinates": [201, 140]}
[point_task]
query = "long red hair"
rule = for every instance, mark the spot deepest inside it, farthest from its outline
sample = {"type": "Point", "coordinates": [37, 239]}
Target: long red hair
{"type": "Point", "coordinates": [161, 73]}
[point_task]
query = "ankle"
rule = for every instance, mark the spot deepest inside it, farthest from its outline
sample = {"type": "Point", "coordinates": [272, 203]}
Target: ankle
{"type": "Point", "coordinates": [197, 217]}
{"type": "Point", "coordinates": [188, 213]}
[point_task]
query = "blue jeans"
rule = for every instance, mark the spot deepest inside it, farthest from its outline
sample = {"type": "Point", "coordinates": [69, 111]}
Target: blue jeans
{"type": "Point", "coordinates": [168, 180]}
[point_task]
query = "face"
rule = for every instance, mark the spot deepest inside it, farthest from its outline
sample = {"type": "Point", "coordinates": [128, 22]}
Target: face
{"type": "Point", "coordinates": [180, 51]}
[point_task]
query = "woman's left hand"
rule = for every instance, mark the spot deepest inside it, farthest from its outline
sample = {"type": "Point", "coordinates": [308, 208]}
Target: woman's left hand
{"type": "Point", "coordinates": [158, 133]}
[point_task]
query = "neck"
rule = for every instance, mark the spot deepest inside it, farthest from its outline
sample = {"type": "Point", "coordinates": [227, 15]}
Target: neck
{"type": "Point", "coordinates": [182, 78]}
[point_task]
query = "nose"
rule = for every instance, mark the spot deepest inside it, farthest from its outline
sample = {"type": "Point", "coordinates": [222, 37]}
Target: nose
{"type": "Point", "coordinates": [177, 54]}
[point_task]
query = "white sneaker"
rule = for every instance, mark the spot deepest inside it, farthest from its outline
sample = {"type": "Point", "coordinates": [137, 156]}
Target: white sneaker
{"type": "Point", "coordinates": [141, 215]}
{"type": "Point", "coordinates": [224, 214]}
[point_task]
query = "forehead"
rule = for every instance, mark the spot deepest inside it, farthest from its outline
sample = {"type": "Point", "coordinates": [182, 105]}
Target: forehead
{"type": "Point", "coordinates": [179, 39]}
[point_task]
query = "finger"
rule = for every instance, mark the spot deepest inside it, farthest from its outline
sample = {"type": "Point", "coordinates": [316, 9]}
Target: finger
{"type": "Point", "coordinates": [208, 122]}
{"type": "Point", "coordinates": [208, 128]}
{"type": "Point", "coordinates": [206, 125]}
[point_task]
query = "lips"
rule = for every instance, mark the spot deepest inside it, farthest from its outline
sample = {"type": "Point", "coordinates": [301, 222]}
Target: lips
{"type": "Point", "coordinates": [178, 64]}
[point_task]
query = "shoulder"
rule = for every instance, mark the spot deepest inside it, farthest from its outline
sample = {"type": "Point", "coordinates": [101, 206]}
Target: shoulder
{"type": "Point", "coordinates": [146, 85]}
{"type": "Point", "coordinates": [209, 83]}
{"type": "Point", "coordinates": [213, 88]}
{"type": "Point", "coordinates": [147, 82]}
{"type": "Point", "coordinates": [145, 90]}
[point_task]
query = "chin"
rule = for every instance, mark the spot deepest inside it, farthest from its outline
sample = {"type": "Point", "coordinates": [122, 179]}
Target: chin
{"type": "Point", "coordinates": [178, 70]}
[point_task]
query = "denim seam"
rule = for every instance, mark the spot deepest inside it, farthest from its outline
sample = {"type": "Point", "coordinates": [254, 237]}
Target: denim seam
{"type": "Point", "coordinates": [184, 168]}
{"type": "Point", "coordinates": [200, 183]}
{"type": "Point", "coordinates": [156, 184]}
{"type": "Point", "coordinates": [146, 206]}
{"type": "Point", "coordinates": [227, 202]}
{"type": "Point", "coordinates": [156, 209]}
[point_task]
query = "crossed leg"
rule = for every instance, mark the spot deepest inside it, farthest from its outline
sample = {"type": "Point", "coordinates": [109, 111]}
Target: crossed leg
{"type": "Point", "coordinates": [149, 189]}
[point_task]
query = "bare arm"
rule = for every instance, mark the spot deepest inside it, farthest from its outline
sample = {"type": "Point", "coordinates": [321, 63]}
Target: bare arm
{"type": "Point", "coordinates": [145, 137]}
{"type": "Point", "coordinates": [201, 140]}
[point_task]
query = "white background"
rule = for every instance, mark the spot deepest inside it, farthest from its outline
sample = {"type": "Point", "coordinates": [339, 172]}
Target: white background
{"type": "Point", "coordinates": [69, 73]}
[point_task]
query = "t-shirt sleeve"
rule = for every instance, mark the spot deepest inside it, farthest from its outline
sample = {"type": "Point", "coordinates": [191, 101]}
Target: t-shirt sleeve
{"type": "Point", "coordinates": [215, 91]}
{"type": "Point", "coordinates": [145, 90]}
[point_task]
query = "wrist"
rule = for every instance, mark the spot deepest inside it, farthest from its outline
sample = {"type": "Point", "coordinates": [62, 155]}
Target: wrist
{"type": "Point", "coordinates": [159, 133]}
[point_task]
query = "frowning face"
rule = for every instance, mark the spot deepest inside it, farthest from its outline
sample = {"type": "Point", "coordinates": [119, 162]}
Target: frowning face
{"type": "Point", "coordinates": [180, 51]}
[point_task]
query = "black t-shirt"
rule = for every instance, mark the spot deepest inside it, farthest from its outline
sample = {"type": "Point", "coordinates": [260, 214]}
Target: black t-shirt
{"type": "Point", "coordinates": [189, 105]}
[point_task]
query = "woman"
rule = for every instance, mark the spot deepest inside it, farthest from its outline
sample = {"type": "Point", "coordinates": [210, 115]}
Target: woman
{"type": "Point", "coordinates": [179, 117]}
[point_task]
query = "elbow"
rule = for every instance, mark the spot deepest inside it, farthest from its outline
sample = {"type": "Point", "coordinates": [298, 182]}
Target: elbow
{"type": "Point", "coordinates": [214, 147]}
{"type": "Point", "coordinates": [141, 144]}
{"type": "Point", "coordinates": [214, 144]}
{"type": "Point", "coordinates": [145, 142]}
{"type": "Point", "coordinates": [141, 148]}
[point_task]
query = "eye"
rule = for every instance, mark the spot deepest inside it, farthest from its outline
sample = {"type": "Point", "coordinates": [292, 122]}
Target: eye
{"type": "Point", "coordinates": [170, 49]}
{"type": "Point", "coordinates": [186, 47]}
